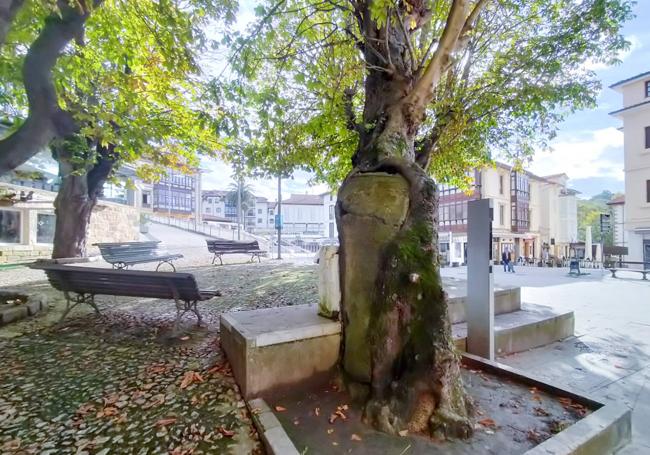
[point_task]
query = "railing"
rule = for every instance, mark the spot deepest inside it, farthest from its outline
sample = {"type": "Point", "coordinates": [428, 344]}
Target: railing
{"type": "Point", "coordinates": [221, 231]}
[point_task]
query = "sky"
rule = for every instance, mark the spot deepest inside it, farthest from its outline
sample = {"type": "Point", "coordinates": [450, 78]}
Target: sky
{"type": "Point", "coordinates": [588, 147]}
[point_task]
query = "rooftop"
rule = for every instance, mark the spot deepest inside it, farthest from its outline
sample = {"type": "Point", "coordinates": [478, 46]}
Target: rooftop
{"type": "Point", "coordinates": [304, 199]}
{"type": "Point", "coordinates": [630, 80]}
{"type": "Point", "coordinates": [617, 200]}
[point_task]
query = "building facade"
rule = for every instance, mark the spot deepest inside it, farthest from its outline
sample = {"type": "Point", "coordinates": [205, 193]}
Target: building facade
{"type": "Point", "coordinates": [217, 207]}
{"type": "Point", "coordinates": [535, 218]}
{"type": "Point", "coordinates": [177, 194]}
{"type": "Point", "coordinates": [635, 115]}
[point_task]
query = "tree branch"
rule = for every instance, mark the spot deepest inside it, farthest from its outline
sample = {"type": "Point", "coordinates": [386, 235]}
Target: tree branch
{"type": "Point", "coordinates": [455, 22]}
{"type": "Point", "coordinates": [46, 120]}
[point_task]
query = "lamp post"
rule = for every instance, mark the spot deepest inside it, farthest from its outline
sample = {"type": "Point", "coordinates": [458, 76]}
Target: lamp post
{"type": "Point", "coordinates": [278, 215]}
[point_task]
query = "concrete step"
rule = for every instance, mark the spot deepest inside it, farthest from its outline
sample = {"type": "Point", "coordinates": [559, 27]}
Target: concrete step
{"type": "Point", "coordinates": [275, 348]}
{"type": "Point", "coordinates": [506, 300]}
{"type": "Point", "coordinates": [531, 327]}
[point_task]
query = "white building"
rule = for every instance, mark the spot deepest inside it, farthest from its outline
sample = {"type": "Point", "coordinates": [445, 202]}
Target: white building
{"type": "Point", "coordinates": [635, 116]}
{"type": "Point", "coordinates": [309, 214]}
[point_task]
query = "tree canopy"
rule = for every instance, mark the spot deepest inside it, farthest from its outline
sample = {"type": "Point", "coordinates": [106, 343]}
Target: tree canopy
{"type": "Point", "coordinates": [519, 67]}
{"type": "Point", "coordinates": [132, 79]}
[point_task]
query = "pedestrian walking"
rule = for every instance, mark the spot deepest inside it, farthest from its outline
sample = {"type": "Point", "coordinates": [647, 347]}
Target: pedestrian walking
{"type": "Point", "coordinates": [504, 260]}
{"type": "Point", "coordinates": [511, 264]}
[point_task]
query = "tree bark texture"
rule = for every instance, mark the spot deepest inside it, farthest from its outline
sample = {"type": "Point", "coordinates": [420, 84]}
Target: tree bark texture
{"type": "Point", "coordinates": [76, 200]}
{"type": "Point", "coordinates": [46, 120]}
{"type": "Point", "coordinates": [397, 347]}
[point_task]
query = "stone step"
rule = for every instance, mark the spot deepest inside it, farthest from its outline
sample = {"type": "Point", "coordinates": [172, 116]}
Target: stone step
{"type": "Point", "coordinates": [531, 327]}
{"type": "Point", "coordinates": [276, 348]}
{"type": "Point", "coordinates": [506, 300]}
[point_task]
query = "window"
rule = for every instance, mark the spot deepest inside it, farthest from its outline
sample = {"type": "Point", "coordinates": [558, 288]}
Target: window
{"type": "Point", "coordinates": [647, 89]}
{"type": "Point", "coordinates": [208, 210]}
{"type": "Point", "coordinates": [500, 184]}
{"type": "Point", "coordinates": [647, 191]}
{"type": "Point", "coordinates": [45, 223]}
{"type": "Point", "coordinates": [259, 221]}
{"type": "Point", "coordinates": [218, 210]}
{"type": "Point", "coordinates": [647, 137]}
{"type": "Point", "coordinates": [259, 211]}
{"type": "Point", "coordinates": [9, 226]}
{"type": "Point", "coordinates": [502, 214]}
{"type": "Point", "coordinates": [145, 198]}
{"type": "Point", "coordinates": [331, 212]}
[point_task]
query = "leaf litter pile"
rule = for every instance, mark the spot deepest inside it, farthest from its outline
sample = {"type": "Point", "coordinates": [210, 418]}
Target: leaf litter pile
{"type": "Point", "coordinates": [510, 418]}
{"type": "Point", "coordinates": [119, 383]}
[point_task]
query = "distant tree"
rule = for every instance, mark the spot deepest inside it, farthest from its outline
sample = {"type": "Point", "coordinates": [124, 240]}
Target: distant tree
{"type": "Point", "coordinates": [589, 212]}
{"type": "Point", "coordinates": [244, 202]}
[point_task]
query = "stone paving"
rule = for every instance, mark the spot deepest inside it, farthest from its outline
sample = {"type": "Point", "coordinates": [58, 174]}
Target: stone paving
{"type": "Point", "coordinates": [121, 380]}
{"type": "Point", "coordinates": [609, 358]}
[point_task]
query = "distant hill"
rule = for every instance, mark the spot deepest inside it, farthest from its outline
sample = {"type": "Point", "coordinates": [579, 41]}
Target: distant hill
{"type": "Point", "coordinates": [589, 211]}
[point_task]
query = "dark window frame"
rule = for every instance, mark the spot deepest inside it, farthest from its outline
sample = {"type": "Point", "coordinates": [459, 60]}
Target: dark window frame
{"type": "Point", "coordinates": [647, 137]}
{"type": "Point", "coordinates": [647, 89]}
{"type": "Point", "coordinates": [647, 191]}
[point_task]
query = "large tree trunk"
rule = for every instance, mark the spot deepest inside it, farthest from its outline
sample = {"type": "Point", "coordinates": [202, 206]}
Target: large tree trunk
{"type": "Point", "coordinates": [46, 120]}
{"type": "Point", "coordinates": [398, 348]}
{"type": "Point", "coordinates": [76, 200]}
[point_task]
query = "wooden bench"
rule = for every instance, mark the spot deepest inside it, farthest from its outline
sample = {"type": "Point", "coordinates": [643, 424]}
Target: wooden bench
{"type": "Point", "coordinates": [123, 255]}
{"type": "Point", "coordinates": [221, 247]}
{"type": "Point", "coordinates": [82, 284]}
{"type": "Point", "coordinates": [644, 272]}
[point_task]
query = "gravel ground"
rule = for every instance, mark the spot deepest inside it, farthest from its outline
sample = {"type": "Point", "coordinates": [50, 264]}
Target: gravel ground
{"type": "Point", "coordinates": [124, 382]}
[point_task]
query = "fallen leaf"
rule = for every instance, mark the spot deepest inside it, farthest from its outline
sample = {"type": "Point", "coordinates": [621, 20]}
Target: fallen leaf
{"type": "Point", "coordinates": [540, 412]}
{"type": "Point", "coordinates": [190, 378]}
{"type": "Point", "coordinates": [333, 418]}
{"type": "Point", "coordinates": [488, 423]}
{"type": "Point", "coordinates": [403, 433]}
{"type": "Point", "coordinates": [330, 430]}
{"type": "Point", "coordinates": [185, 338]}
{"type": "Point", "coordinates": [355, 437]}
{"type": "Point", "coordinates": [165, 422]}
{"type": "Point", "coordinates": [226, 433]}
{"type": "Point", "coordinates": [280, 408]}
{"type": "Point", "coordinates": [296, 422]}
{"type": "Point", "coordinates": [317, 412]}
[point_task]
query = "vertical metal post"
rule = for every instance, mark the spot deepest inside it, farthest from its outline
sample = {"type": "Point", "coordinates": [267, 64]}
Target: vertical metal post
{"type": "Point", "coordinates": [239, 209]}
{"type": "Point", "coordinates": [279, 216]}
{"type": "Point", "coordinates": [480, 281]}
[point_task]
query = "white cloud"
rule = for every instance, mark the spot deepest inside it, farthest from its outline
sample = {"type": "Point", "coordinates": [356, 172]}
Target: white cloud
{"type": "Point", "coordinates": [586, 154]}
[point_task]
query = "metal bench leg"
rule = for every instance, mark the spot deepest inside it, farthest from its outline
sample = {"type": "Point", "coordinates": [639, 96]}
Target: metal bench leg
{"type": "Point", "coordinates": [166, 262]}
{"type": "Point", "coordinates": [183, 307]}
{"type": "Point", "coordinates": [214, 258]}
{"type": "Point", "coordinates": [72, 302]}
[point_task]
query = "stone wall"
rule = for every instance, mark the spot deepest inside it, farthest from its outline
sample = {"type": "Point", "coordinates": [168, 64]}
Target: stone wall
{"type": "Point", "coordinates": [110, 222]}
{"type": "Point", "coordinates": [113, 223]}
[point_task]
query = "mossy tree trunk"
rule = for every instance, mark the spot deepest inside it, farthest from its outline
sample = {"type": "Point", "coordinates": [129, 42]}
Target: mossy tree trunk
{"type": "Point", "coordinates": [398, 349]}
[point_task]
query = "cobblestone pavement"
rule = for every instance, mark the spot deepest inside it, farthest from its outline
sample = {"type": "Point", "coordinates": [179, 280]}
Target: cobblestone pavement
{"type": "Point", "coordinates": [121, 383]}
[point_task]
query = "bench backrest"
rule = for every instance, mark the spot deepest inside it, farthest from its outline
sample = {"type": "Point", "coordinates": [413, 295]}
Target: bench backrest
{"type": "Point", "coordinates": [114, 252]}
{"type": "Point", "coordinates": [231, 245]}
{"type": "Point", "coordinates": [129, 283]}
